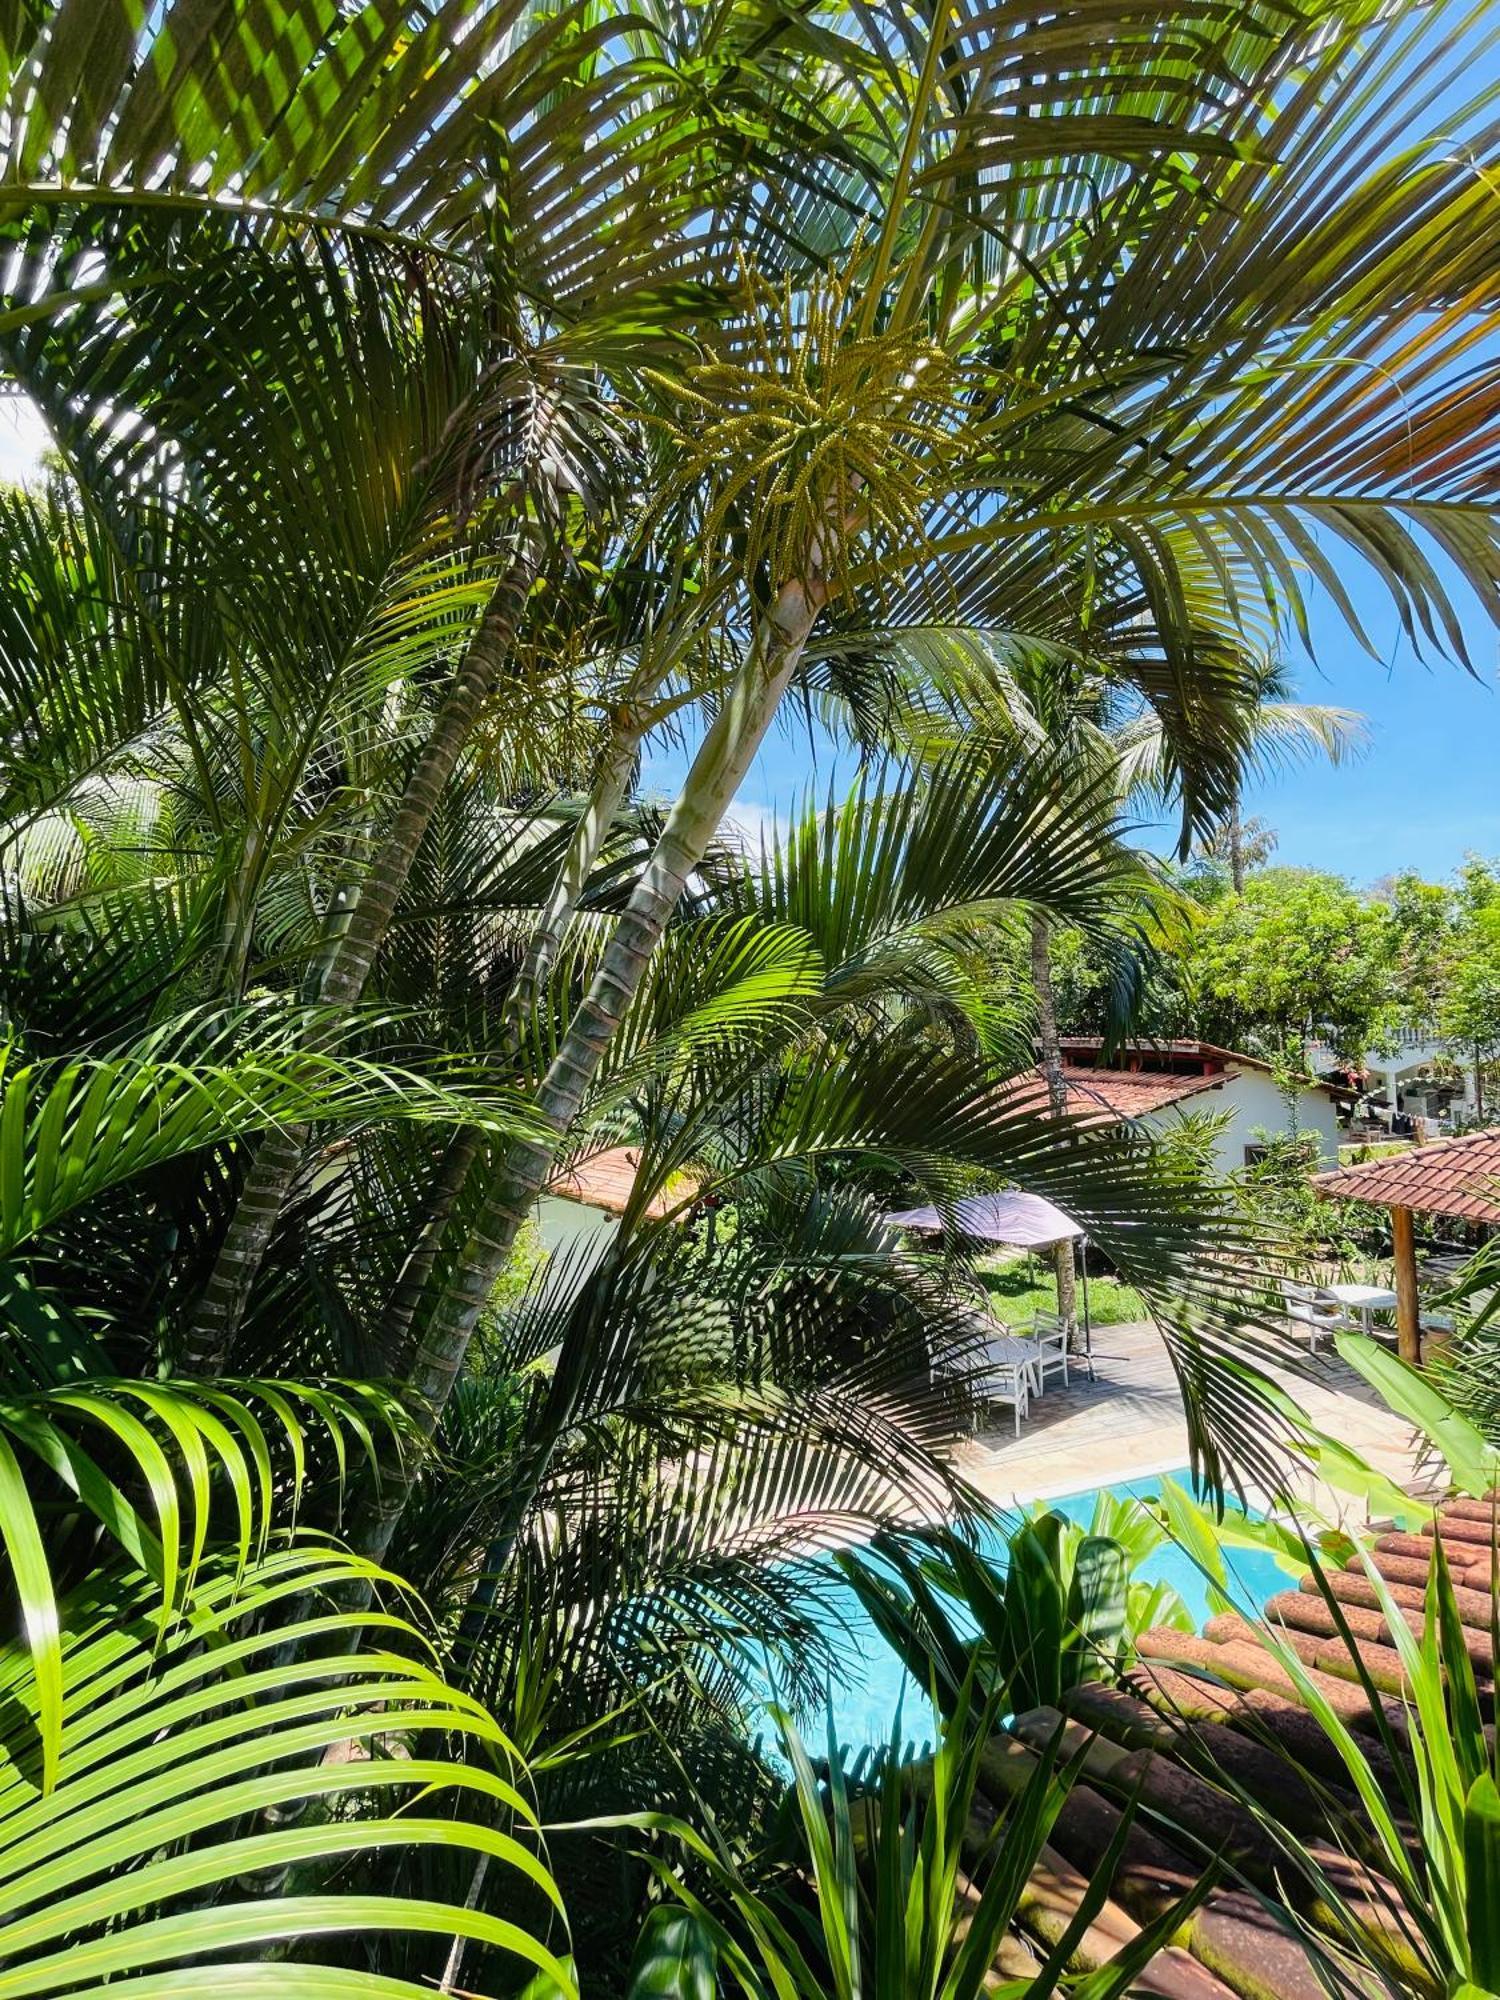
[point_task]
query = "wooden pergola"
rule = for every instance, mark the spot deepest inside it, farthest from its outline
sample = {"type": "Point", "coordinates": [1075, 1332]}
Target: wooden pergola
{"type": "Point", "coordinates": [1456, 1177]}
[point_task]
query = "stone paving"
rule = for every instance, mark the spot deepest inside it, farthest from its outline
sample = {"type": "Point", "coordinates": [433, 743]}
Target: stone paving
{"type": "Point", "coordinates": [1130, 1424]}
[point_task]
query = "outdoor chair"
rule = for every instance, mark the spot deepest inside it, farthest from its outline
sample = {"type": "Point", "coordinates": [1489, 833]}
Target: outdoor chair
{"type": "Point", "coordinates": [1008, 1373]}
{"type": "Point", "coordinates": [1320, 1316]}
{"type": "Point", "coordinates": [1049, 1338]}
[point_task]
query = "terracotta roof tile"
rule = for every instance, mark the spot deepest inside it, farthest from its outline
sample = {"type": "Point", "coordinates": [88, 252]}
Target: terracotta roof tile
{"type": "Point", "coordinates": [607, 1180]}
{"type": "Point", "coordinates": [1459, 1177]}
{"type": "Point", "coordinates": [1210, 1053]}
{"type": "Point", "coordinates": [1110, 1094]}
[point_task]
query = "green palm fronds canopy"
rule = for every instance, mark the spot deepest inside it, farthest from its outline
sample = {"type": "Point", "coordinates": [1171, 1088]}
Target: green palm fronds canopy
{"type": "Point", "coordinates": [457, 404]}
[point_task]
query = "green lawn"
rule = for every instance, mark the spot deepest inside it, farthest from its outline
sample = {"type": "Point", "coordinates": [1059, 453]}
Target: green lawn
{"type": "Point", "coordinates": [1019, 1288]}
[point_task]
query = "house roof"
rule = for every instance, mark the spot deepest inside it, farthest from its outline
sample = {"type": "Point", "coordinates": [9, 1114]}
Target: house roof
{"type": "Point", "coordinates": [1208, 1053]}
{"type": "Point", "coordinates": [1459, 1177]}
{"type": "Point", "coordinates": [1152, 1047]}
{"type": "Point", "coordinates": [607, 1180]}
{"type": "Point", "coordinates": [1198, 1715]}
{"type": "Point", "coordinates": [1111, 1094]}
{"type": "Point", "coordinates": [1126, 1093]}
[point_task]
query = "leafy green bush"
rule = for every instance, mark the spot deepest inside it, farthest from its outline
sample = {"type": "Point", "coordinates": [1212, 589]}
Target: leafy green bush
{"type": "Point", "coordinates": [904, 1890]}
{"type": "Point", "coordinates": [1064, 1607]}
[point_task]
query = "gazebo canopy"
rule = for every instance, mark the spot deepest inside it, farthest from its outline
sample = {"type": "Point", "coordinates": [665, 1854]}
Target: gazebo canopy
{"type": "Point", "coordinates": [1025, 1221]}
{"type": "Point", "coordinates": [1458, 1177]}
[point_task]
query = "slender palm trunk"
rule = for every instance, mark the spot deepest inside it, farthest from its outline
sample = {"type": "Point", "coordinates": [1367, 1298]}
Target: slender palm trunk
{"type": "Point", "coordinates": [1057, 1093]}
{"type": "Point", "coordinates": [1235, 830]}
{"type": "Point", "coordinates": [222, 1304]}
{"type": "Point", "coordinates": [467, 1147]}
{"type": "Point", "coordinates": [608, 793]}
{"type": "Point", "coordinates": [522, 1168]}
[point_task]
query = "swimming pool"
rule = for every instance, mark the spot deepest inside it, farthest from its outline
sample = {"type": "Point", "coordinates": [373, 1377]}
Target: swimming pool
{"type": "Point", "coordinates": [863, 1702]}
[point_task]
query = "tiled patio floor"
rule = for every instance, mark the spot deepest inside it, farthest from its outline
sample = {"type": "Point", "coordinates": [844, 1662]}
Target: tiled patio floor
{"type": "Point", "coordinates": [1129, 1423]}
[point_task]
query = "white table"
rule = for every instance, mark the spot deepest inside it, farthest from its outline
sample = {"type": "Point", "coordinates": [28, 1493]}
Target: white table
{"type": "Point", "coordinates": [1365, 1300]}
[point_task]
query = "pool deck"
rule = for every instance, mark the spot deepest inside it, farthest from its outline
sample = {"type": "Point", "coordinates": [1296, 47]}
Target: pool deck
{"type": "Point", "coordinates": [1130, 1424]}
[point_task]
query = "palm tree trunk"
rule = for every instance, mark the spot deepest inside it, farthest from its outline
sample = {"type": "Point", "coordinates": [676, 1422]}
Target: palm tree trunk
{"type": "Point", "coordinates": [222, 1304]}
{"type": "Point", "coordinates": [1057, 1094]}
{"type": "Point", "coordinates": [521, 1171]}
{"type": "Point", "coordinates": [610, 785]}
{"type": "Point", "coordinates": [1235, 832]}
{"type": "Point", "coordinates": [465, 1148]}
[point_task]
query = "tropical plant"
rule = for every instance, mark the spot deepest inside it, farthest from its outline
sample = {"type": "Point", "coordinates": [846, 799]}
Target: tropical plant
{"type": "Point", "coordinates": [194, 1712]}
{"type": "Point", "coordinates": [618, 1524]}
{"type": "Point", "coordinates": [1064, 1605]}
{"type": "Point", "coordinates": [450, 403]}
{"type": "Point", "coordinates": [1464, 1368]}
{"type": "Point", "coordinates": [897, 1888]}
{"type": "Point", "coordinates": [1277, 730]}
{"type": "Point", "coordinates": [1428, 1800]}
{"type": "Point", "coordinates": [845, 436]}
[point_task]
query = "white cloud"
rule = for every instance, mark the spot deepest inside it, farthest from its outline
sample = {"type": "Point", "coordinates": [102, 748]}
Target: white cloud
{"type": "Point", "coordinates": [23, 439]}
{"type": "Point", "coordinates": [753, 825]}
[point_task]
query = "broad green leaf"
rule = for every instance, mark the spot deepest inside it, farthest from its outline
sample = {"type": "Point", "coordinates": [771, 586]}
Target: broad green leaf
{"type": "Point", "coordinates": [1097, 1609]}
{"type": "Point", "coordinates": [1482, 1879]}
{"type": "Point", "coordinates": [1472, 1462]}
{"type": "Point", "coordinates": [675, 1959]}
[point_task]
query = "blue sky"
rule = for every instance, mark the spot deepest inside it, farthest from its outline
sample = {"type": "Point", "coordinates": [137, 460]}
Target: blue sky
{"type": "Point", "coordinates": [1424, 793]}
{"type": "Point", "coordinates": [1428, 788]}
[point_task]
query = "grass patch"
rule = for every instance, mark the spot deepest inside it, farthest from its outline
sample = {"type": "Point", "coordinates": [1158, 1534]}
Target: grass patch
{"type": "Point", "coordinates": [1018, 1289]}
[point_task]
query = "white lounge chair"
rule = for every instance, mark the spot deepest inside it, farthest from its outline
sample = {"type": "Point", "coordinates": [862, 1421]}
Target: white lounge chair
{"type": "Point", "coordinates": [1304, 1307]}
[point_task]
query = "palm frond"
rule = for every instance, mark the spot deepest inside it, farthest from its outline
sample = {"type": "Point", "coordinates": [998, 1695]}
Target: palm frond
{"type": "Point", "coordinates": [133, 1859]}
{"type": "Point", "coordinates": [69, 1130]}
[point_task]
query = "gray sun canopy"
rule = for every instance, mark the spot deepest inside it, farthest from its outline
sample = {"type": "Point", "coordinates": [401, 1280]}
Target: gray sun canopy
{"type": "Point", "coordinates": [1025, 1221]}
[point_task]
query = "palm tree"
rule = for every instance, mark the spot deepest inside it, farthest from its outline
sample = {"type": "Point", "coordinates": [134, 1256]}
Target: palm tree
{"type": "Point", "coordinates": [415, 515]}
{"type": "Point", "coordinates": [1271, 729]}
{"type": "Point", "coordinates": [648, 1449]}
{"type": "Point", "coordinates": [612, 1532]}
{"type": "Point", "coordinates": [1062, 342]}
{"type": "Point", "coordinates": [1277, 730]}
{"type": "Point", "coordinates": [923, 405]}
{"type": "Point", "coordinates": [865, 444]}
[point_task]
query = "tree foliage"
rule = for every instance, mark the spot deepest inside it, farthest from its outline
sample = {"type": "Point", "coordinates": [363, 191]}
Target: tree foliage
{"type": "Point", "coordinates": [451, 403]}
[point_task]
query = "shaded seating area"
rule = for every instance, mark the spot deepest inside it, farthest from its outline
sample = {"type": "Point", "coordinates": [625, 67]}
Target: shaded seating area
{"type": "Point", "coordinates": [1017, 1360]}
{"type": "Point", "coordinates": [1324, 1310]}
{"type": "Point", "coordinates": [1459, 1178]}
{"type": "Point", "coordinates": [1309, 1307]}
{"type": "Point", "coordinates": [1009, 1372]}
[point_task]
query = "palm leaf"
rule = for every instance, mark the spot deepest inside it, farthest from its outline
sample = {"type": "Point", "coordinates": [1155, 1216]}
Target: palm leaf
{"type": "Point", "coordinates": [133, 1860]}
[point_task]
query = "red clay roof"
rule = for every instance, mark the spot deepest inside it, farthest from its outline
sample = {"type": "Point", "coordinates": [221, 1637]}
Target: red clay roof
{"type": "Point", "coordinates": [1194, 1051]}
{"type": "Point", "coordinates": [1111, 1093]}
{"type": "Point", "coordinates": [606, 1180]}
{"type": "Point", "coordinates": [1458, 1177]}
{"type": "Point", "coordinates": [1188, 1047]}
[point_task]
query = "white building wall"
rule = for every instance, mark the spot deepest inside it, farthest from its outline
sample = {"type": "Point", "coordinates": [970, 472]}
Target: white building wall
{"type": "Point", "coordinates": [1257, 1106]}
{"type": "Point", "coordinates": [562, 1224]}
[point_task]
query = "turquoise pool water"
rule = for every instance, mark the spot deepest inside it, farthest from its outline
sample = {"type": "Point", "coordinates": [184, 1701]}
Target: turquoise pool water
{"type": "Point", "coordinates": [864, 1699]}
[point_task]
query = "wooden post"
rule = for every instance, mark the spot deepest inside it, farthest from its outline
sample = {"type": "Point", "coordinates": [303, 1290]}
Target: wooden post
{"type": "Point", "coordinates": [1408, 1316]}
